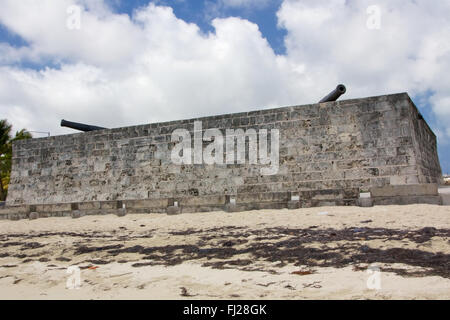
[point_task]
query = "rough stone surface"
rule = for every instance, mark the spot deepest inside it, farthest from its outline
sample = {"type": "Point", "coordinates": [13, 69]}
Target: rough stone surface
{"type": "Point", "coordinates": [76, 214]}
{"type": "Point", "coordinates": [122, 212]}
{"type": "Point", "coordinates": [329, 152]}
{"type": "Point", "coordinates": [173, 210]}
{"type": "Point", "coordinates": [404, 200]}
{"type": "Point", "coordinates": [430, 189]}
{"type": "Point", "coordinates": [232, 207]}
{"type": "Point", "coordinates": [293, 205]}
{"type": "Point", "coordinates": [33, 215]}
{"type": "Point", "coordinates": [365, 202]}
{"type": "Point", "coordinates": [445, 198]}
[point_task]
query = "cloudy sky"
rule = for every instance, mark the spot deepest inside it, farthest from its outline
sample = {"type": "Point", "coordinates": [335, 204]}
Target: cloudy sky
{"type": "Point", "coordinates": [115, 63]}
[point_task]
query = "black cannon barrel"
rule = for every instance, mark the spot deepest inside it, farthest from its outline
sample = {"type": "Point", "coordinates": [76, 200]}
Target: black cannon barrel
{"type": "Point", "coordinates": [335, 94]}
{"type": "Point", "coordinates": [79, 126]}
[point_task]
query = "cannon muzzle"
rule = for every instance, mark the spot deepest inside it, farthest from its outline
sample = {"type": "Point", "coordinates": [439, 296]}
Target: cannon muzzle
{"type": "Point", "coordinates": [335, 94]}
{"type": "Point", "coordinates": [79, 126]}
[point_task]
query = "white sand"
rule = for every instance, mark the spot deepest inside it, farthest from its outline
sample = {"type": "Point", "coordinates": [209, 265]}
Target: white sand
{"type": "Point", "coordinates": [34, 272]}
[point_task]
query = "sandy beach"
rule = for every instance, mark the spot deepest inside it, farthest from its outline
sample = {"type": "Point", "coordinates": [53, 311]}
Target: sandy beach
{"type": "Point", "coordinates": [384, 252]}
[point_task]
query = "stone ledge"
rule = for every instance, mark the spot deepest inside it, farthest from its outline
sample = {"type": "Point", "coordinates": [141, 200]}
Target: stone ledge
{"type": "Point", "coordinates": [202, 201]}
{"type": "Point", "coordinates": [445, 199]}
{"type": "Point", "coordinates": [309, 203]}
{"type": "Point", "coordinates": [365, 202]}
{"type": "Point", "coordinates": [405, 200]}
{"type": "Point", "coordinates": [232, 207]}
{"type": "Point", "coordinates": [146, 203]}
{"type": "Point", "coordinates": [430, 189]}
{"type": "Point", "coordinates": [206, 205]}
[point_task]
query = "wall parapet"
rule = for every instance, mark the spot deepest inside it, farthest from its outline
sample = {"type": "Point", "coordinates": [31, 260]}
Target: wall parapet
{"type": "Point", "coordinates": [333, 149]}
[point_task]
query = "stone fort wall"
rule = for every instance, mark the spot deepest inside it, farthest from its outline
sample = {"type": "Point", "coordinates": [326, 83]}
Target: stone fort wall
{"type": "Point", "coordinates": [328, 154]}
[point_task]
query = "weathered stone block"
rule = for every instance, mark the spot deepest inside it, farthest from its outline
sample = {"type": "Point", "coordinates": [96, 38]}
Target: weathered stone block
{"type": "Point", "coordinates": [121, 212]}
{"type": "Point", "coordinates": [404, 200]}
{"type": "Point", "coordinates": [231, 207]}
{"type": "Point", "coordinates": [76, 214]}
{"type": "Point", "coordinates": [172, 210]}
{"type": "Point", "coordinates": [293, 205]}
{"type": "Point", "coordinates": [110, 204]}
{"type": "Point", "coordinates": [14, 217]}
{"type": "Point", "coordinates": [445, 198]}
{"type": "Point", "coordinates": [202, 200]}
{"type": "Point", "coordinates": [147, 203]}
{"type": "Point", "coordinates": [33, 215]}
{"type": "Point", "coordinates": [59, 207]}
{"type": "Point", "coordinates": [327, 153]}
{"type": "Point", "coordinates": [405, 190]}
{"type": "Point", "coordinates": [15, 210]}
{"type": "Point", "coordinates": [91, 205]}
{"type": "Point", "coordinates": [249, 197]}
{"type": "Point", "coordinates": [365, 202]}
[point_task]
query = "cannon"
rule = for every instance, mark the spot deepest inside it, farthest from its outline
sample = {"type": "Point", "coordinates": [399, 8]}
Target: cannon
{"type": "Point", "coordinates": [335, 94]}
{"type": "Point", "coordinates": [79, 126]}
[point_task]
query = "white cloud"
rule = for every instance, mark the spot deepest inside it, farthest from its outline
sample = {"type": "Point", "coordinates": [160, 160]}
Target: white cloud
{"type": "Point", "coordinates": [119, 70]}
{"type": "Point", "coordinates": [410, 52]}
{"type": "Point", "coordinates": [150, 68]}
{"type": "Point", "coordinates": [104, 38]}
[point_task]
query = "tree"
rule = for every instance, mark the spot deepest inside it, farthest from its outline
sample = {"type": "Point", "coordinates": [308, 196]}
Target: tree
{"type": "Point", "coordinates": [6, 141]}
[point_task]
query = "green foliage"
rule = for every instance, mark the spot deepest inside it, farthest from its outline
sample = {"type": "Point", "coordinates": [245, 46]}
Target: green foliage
{"type": "Point", "coordinates": [6, 141]}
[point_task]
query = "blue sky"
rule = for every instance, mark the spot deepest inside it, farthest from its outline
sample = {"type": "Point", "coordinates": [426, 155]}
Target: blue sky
{"type": "Point", "coordinates": [11, 38]}
{"type": "Point", "coordinates": [162, 69]}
